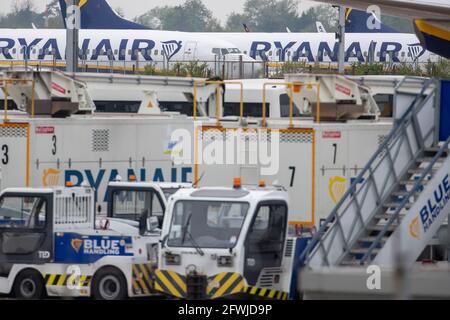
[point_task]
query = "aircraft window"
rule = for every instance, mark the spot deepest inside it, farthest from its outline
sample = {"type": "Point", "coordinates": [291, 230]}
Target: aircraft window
{"type": "Point", "coordinates": [177, 106]}
{"type": "Point", "coordinates": [251, 109]}
{"type": "Point", "coordinates": [14, 51]}
{"type": "Point", "coordinates": [156, 52]}
{"type": "Point", "coordinates": [284, 107]}
{"type": "Point", "coordinates": [129, 51]}
{"type": "Point", "coordinates": [116, 51]}
{"type": "Point", "coordinates": [34, 50]}
{"type": "Point", "coordinates": [117, 106]}
{"type": "Point", "coordinates": [289, 53]}
{"type": "Point", "coordinates": [21, 50]}
{"type": "Point", "coordinates": [278, 53]}
{"type": "Point", "coordinates": [270, 53]}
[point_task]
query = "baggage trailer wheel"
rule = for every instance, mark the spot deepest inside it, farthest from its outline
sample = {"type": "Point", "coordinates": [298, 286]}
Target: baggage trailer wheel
{"type": "Point", "coordinates": [109, 284]}
{"type": "Point", "coordinates": [29, 285]}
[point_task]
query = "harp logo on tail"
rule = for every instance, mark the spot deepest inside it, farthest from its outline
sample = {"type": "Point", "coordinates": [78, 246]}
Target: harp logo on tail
{"type": "Point", "coordinates": [171, 48]}
{"type": "Point", "coordinates": [415, 51]}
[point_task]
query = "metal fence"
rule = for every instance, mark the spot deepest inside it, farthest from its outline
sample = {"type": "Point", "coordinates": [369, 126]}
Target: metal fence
{"type": "Point", "coordinates": [223, 68]}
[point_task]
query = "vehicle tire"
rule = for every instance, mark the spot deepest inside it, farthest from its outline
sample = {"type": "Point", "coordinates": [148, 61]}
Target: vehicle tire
{"type": "Point", "coordinates": [29, 285]}
{"type": "Point", "coordinates": [109, 284]}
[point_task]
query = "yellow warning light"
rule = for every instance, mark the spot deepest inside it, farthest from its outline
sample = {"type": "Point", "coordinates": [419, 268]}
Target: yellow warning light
{"type": "Point", "coordinates": [132, 178]}
{"type": "Point", "coordinates": [262, 183]}
{"type": "Point", "coordinates": [237, 182]}
{"type": "Point", "coordinates": [69, 184]}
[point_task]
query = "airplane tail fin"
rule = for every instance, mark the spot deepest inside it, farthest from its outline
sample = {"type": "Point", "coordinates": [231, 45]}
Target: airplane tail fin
{"type": "Point", "coordinates": [357, 21]}
{"type": "Point", "coordinates": [98, 14]}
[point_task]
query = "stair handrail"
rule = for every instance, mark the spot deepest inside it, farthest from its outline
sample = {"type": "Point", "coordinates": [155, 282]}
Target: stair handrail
{"type": "Point", "coordinates": [405, 200]}
{"type": "Point", "coordinates": [397, 127]}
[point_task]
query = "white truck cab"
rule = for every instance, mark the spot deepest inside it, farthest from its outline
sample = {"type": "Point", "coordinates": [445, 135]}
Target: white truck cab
{"type": "Point", "coordinates": [226, 242]}
{"type": "Point", "coordinates": [49, 245]}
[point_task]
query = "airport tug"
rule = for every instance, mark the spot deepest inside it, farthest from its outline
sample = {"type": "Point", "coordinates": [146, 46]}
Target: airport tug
{"type": "Point", "coordinates": [226, 243]}
{"type": "Point", "coordinates": [52, 244]}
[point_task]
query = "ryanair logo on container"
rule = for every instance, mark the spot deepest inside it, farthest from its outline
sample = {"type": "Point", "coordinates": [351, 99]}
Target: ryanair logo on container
{"type": "Point", "coordinates": [50, 177]}
{"type": "Point", "coordinates": [336, 188]}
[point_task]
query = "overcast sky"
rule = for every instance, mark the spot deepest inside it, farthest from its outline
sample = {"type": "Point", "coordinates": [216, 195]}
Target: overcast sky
{"type": "Point", "coordinates": [132, 8]}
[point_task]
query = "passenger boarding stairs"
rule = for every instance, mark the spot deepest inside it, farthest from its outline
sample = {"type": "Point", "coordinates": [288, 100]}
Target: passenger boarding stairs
{"type": "Point", "coordinates": [398, 201]}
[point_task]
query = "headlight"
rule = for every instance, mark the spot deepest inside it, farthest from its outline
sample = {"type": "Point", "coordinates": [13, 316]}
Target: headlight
{"type": "Point", "coordinates": [173, 259]}
{"type": "Point", "coordinates": [225, 261]}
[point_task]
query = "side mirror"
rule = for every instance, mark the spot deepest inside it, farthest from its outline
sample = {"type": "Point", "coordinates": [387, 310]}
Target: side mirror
{"type": "Point", "coordinates": [153, 223]}
{"type": "Point", "coordinates": [143, 222]}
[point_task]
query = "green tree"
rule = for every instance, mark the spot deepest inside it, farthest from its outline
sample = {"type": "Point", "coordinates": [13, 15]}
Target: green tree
{"type": "Point", "coordinates": [192, 16]}
{"type": "Point", "coordinates": [22, 14]}
{"type": "Point", "coordinates": [265, 16]}
{"type": "Point", "coordinates": [323, 13]}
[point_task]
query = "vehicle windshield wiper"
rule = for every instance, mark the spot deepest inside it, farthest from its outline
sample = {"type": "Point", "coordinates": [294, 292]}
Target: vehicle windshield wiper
{"type": "Point", "coordinates": [185, 231]}
{"type": "Point", "coordinates": [185, 227]}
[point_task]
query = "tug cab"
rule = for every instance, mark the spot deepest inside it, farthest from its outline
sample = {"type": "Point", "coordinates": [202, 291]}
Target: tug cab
{"type": "Point", "coordinates": [50, 245]}
{"type": "Point", "coordinates": [133, 202]}
{"type": "Point", "coordinates": [226, 242]}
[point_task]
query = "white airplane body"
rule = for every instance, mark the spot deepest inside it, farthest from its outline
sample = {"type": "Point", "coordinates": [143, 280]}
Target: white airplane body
{"type": "Point", "coordinates": [146, 46]}
{"type": "Point", "coordinates": [323, 47]}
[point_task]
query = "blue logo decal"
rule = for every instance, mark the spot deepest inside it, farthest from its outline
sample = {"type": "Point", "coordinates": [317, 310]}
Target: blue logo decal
{"type": "Point", "coordinates": [171, 48]}
{"type": "Point", "coordinates": [76, 248]}
{"type": "Point", "coordinates": [416, 51]}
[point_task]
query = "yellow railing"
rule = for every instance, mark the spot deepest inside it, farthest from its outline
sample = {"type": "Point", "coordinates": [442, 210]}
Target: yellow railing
{"type": "Point", "coordinates": [7, 81]}
{"type": "Point", "coordinates": [218, 83]}
{"type": "Point", "coordinates": [292, 87]}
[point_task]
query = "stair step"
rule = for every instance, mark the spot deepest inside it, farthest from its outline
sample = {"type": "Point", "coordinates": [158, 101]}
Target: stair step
{"type": "Point", "coordinates": [413, 182]}
{"type": "Point", "coordinates": [420, 170]}
{"type": "Point", "coordinates": [364, 251]}
{"type": "Point", "coordinates": [381, 227]}
{"type": "Point", "coordinates": [436, 150]}
{"type": "Point", "coordinates": [387, 216]}
{"type": "Point", "coordinates": [397, 204]}
{"type": "Point", "coordinates": [429, 159]}
{"type": "Point", "coordinates": [372, 239]}
{"type": "Point", "coordinates": [350, 263]}
{"type": "Point", "coordinates": [402, 193]}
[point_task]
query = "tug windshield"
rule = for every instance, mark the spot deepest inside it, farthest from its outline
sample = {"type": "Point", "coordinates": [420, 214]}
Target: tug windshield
{"type": "Point", "coordinates": [207, 224]}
